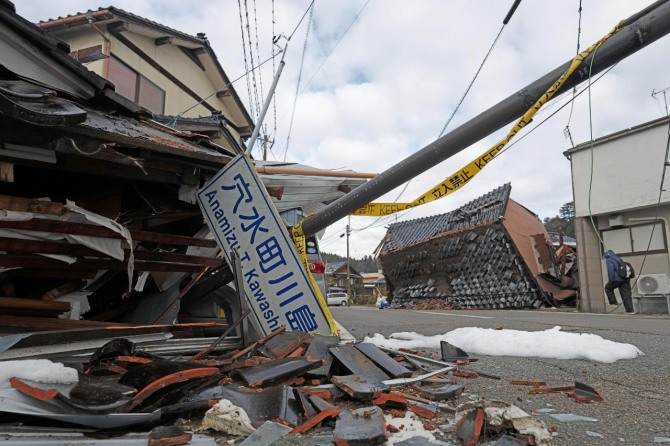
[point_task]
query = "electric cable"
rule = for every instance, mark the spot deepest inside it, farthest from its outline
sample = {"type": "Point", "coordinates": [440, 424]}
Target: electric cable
{"type": "Point", "coordinates": [301, 19]}
{"type": "Point", "coordinates": [174, 121]}
{"type": "Point", "coordinates": [566, 131]}
{"type": "Point", "coordinates": [658, 203]}
{"type": "Point", "coordinates": [520, 138]}
{"type": "Point", "coordinates": [505, 21]}
{"type": "Point", "coordinates": [257, 101]}
{"type": "Point", "coordinates": [244, 52]}
{"type": "Point", "coordinates": [297, 87]}
{"type": "Point", "coordinates": [335, 46]}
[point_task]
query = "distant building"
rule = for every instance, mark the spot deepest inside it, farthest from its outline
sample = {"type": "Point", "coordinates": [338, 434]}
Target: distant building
{"type": "Point", "coordinates": [166, 71]}
{"type": "Point", "coordinates": [619, 193]}
{"type": "Point", "coordinates": [486, 254]}
{"type": "Point", "coordinates": [374, 283]}
{"type": "Point", "coordinates": [336, 275]}
{"type": "Point", "coordinates": [555, 238]}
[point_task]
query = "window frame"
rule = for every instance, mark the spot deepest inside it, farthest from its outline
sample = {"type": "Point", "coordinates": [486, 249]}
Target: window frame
{"type": "Point", "coordinates": [660, 226]}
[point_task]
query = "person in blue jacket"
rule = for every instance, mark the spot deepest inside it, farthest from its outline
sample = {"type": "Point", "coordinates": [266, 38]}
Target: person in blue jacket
{"type": "Point", "coordinates": [614, 281]}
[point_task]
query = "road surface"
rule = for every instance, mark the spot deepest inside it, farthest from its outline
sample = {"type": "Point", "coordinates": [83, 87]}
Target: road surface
{"type": "Point", "coordinates": [636, 406]}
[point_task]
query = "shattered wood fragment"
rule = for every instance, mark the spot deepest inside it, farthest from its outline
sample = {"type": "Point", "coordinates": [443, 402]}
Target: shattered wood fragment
{"type": "Point", "coordinates": [134, 359]}
{"type": "Point", "coordinates": [214, 362]}
{"type": "Point", "coordinates": [35, 392]}
{"type": "Point", "coordinates": [258, 343]}
{"type": "Point", "coordinates": [297, 352]}
{"type": "Point", "coordinates": [168, 436]}
{"type": "Point", "coordinates": [243, 363]}
{"type": "Point", "coordinates": [521, 382]}
{"type": "Point", "coordinates": [316, 420]}
{"type": "Point", "coordinates": [410, 397]}
{"type": "Point", "coordinates": [391, 400]}
{"type": "Point", "coordinates": [557, 389]}
{"type": "Point", "coordinates": [428, 411]}
{"type": "Point", "coordinates": [320, 393]}
{"type": "Point", "coordinates": [244, 351]}
{"type": "Point", "coordinates": [464, 374]}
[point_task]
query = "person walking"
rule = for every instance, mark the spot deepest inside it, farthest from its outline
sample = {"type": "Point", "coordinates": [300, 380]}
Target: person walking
{"type": "Point", "coordinates": [614, 281]}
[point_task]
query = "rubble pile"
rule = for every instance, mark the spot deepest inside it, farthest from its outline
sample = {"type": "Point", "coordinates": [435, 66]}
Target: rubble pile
{"type": "Point", "coordinates": [492, 253]}
{"type": "Point", "coordinates": [286, 388]}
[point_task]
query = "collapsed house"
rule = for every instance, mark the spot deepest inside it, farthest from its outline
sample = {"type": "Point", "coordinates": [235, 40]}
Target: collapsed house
{"type": "Point", "coordinates": [490, 253]}
{"type": "Point", "coordinates": [98, 198]}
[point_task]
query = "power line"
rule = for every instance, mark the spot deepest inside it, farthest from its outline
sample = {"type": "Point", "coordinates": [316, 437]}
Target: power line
{"type": "Point", "coordinates": [566, 131]}
{"type": "Point", "coordinates": [297, 87]}
{"type": "Point", "coordinates": [505, 22]}
{"type": "Point", "coordinates": [244, 51]}
{"type": "Point", "coordinates": [257, 101]}
{"type": "Point", "coordinates": [335, 46]}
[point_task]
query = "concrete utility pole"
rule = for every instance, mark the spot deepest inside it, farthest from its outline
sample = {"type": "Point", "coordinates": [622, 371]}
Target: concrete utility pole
{"type": "Point", "coordinates": [637, 32]}
{"type": "Point", "coordinates": [348, 262]}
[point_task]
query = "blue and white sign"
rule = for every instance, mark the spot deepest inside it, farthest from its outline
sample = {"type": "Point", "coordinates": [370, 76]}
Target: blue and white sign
{"type": "Point", "coordinates": [242, 217]}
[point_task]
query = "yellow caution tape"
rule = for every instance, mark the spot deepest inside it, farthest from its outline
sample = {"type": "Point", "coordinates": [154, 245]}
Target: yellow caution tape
{"type": "Point", "coordinates": [298, 237]}
{"type": "Point", "coordinates": [463, 175]}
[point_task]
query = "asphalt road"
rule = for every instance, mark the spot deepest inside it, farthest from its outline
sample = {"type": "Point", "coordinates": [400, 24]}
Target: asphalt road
{"type": "Point", "coordinates": [636, 392]}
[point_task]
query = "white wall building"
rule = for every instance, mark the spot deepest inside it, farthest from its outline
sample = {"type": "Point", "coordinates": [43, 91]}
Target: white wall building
{"type": "Point", "coordinates": [618, 192]}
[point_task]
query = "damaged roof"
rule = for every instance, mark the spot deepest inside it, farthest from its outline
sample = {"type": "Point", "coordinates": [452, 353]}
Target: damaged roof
{"type": "Point", "coordinates": [155, 30]}
{"type": "Point", "coordinates": [97, 199]}
{"type": "Point", "coordinates": [488, 208]}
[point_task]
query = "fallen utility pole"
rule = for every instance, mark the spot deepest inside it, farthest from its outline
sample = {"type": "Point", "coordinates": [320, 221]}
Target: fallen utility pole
{"type": "Point", "coordinates": [637, 32]}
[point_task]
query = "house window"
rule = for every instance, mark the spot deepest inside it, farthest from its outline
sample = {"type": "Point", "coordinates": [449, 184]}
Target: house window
{"type": "Point", "coordinates": [132, 85]}
{"type": "Point", "coordinates": [636, 239]}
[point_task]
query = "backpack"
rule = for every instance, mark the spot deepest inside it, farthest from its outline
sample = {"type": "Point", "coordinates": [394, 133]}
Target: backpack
{"type": "Point", "coordinates": [625, 270]}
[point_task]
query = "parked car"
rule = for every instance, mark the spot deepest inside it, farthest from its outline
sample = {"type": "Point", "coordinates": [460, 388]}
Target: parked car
{"type": "Point", "coordinates": [337, 298]}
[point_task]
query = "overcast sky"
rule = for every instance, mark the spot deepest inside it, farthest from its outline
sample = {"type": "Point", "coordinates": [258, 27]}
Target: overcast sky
{"type": "Point", "coordinates": [373, 95]}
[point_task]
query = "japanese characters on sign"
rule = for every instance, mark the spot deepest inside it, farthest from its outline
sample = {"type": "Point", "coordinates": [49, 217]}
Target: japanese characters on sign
{"type": "Point", "coordinates": [242, 218]}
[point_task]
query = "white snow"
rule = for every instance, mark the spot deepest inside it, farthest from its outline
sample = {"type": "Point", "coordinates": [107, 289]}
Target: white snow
{"type": "Point", "coordinates": [38, 370]}
{"type": "Point", "coordinates": [552, 343]}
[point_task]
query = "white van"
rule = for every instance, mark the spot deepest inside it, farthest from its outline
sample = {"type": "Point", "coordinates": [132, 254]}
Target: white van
{"type": "Point", "coordinates": [338, 298]}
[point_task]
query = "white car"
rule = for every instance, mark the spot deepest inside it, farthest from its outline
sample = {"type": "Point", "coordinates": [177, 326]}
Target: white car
{"type": "Point", "coordinates": [337, 298]}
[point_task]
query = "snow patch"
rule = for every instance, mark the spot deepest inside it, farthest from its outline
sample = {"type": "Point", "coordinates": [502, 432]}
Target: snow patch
{"type": "Point", "coordinates": [38, 370]}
